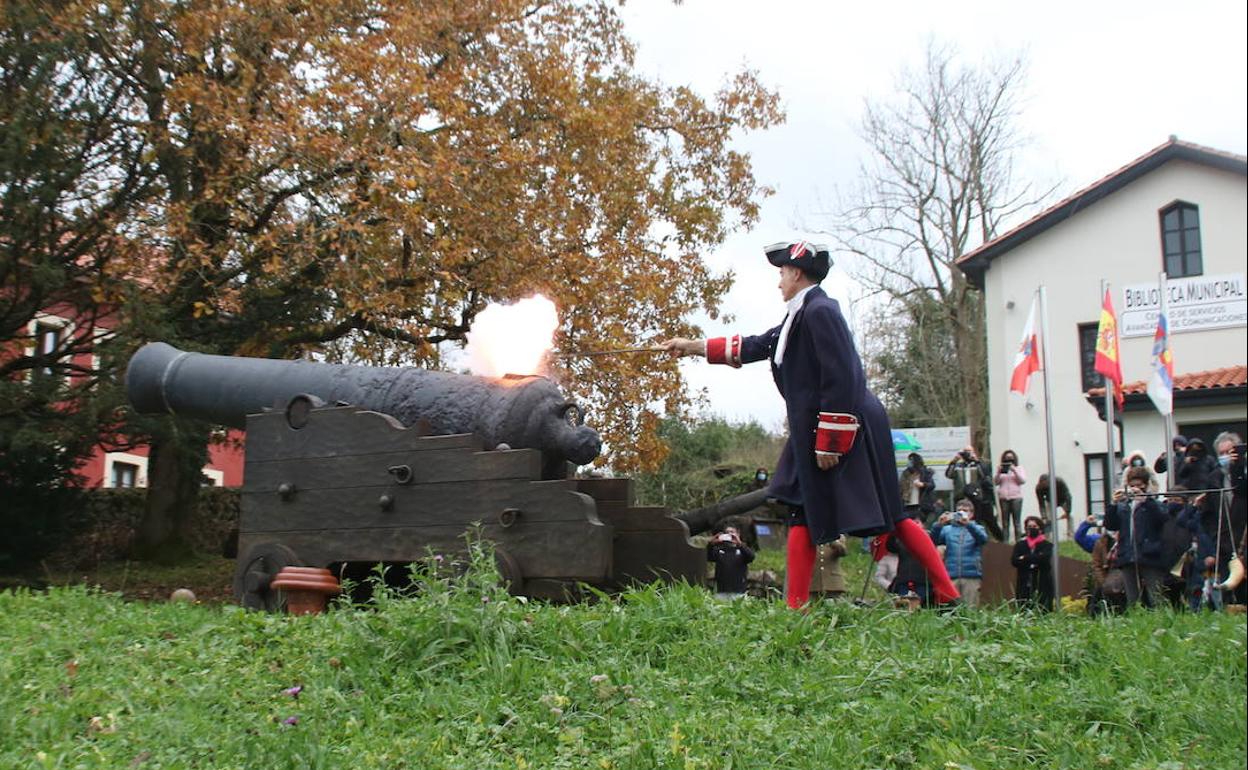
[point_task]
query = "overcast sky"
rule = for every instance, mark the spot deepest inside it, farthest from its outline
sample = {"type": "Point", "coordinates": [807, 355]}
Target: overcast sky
{"type": "Point", "coordinates": [1107, 81]}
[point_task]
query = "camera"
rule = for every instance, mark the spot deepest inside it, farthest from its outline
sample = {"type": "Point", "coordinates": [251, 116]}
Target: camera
{"type": "Point", "coordinates": [724, 538]}
{"type": "Point", "coordinates": [960, 517]}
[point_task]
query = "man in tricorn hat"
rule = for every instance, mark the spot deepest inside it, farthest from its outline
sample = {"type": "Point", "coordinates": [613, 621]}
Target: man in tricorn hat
{"type": "Point", "coordinates": [837, 471]}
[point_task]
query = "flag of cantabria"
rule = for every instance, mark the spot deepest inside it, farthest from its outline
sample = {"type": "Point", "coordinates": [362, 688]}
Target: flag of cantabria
{"type": "Point", "coordinates": [1161, 386]}
{"type": "Point", "coordinates": [1027, 357]}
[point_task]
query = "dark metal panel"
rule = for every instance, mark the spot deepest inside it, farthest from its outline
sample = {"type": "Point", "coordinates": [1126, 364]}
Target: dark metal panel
{"type": "Point", "coordinates": [461, 503]}
{"type": "Point", "coordinates": [368, 470]}
{"type": "Point", "coordinates": [618, 490]}
{"type": "Point", "coordinates": [342, 431]}
{"type": "Point", "coordinates": [642, 557]}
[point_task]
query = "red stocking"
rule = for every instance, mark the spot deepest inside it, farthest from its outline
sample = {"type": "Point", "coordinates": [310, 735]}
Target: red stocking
{"type": "Point", "coordinates": [921, 547]}
{"type": "Point", "coordinates": [800, 564]}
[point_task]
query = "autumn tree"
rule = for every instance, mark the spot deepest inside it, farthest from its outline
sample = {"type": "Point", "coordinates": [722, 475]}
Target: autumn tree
{"type": "Point", "coordinates": [939, 182]}
{"type": "Point", "coordinates": [359, 179]}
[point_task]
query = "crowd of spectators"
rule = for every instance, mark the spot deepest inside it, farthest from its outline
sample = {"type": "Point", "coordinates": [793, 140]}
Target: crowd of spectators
{"type": "Point", "coordinates": [1181, 547]}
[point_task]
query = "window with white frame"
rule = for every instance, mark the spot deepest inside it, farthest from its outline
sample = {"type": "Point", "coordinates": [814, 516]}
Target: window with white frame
{"type": "Point", "coordinates": [123, 470]}
{"type": "Point", "coordinates": [48, 335]}
{"type": "Point", "coordinates": [213, 477]}
{"type": "Point", "coordinates": [1097, 483]}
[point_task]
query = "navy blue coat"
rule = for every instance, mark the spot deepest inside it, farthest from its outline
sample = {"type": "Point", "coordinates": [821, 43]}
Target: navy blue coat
{"type": "Point", "coordinates": [821, 372]}
{"type": "Point", "coordinates": [1139, 532]}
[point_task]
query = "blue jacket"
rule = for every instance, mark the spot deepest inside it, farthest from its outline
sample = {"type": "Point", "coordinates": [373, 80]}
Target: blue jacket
{"type": "Point", "coordinates": [821, 372]}
{"type": "Point", "coordinates": [1139, 532]}
{"type": "Point", "coordinates": [963, 548]}
{"type": "Point", "coordinates": [1085, 539]}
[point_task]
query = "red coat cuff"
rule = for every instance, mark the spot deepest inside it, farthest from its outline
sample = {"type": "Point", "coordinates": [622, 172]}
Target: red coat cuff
{"type": "Point", "coordinates": [835, 432]}
{"type": "Point", "coordinates": [724, 350]}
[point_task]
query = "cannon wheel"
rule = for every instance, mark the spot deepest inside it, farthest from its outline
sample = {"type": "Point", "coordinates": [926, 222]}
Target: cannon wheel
{"type": "Point", "coordinates": [254, 573]}
{"type": "Point", "coordinates": [509, 570]}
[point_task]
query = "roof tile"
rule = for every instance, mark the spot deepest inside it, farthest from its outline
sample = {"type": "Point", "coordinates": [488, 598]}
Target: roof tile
{"type": "Point", "coordinates": [1227, 377]}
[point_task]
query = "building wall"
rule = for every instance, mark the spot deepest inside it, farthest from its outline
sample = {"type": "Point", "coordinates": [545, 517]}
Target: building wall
{"type": "Point", "coordinates": [1117, 239]}
{"type": "Point", "coordinates": [225, 457]}
{"type": "Point", "coordinates": [224, 467]}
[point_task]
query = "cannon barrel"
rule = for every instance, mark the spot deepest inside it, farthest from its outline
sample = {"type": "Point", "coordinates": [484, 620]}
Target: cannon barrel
{"type": "Point", "coordinates": [700, 520]}
{"type": "Point", "coordinates": [522, 412]}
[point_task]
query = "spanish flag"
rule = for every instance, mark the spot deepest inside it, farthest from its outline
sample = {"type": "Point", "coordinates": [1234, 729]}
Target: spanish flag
{"type": "Point", "coordinates": [1107, 361]}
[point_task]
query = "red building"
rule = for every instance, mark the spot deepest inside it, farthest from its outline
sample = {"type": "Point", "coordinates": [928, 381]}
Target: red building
{"type": "Point", "coordinates": [49, 331]}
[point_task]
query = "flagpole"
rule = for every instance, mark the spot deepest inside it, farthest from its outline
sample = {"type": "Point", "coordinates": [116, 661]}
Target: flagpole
{"type": "Point", "coordinates": [1111, 466]}
{"type": "Point", "coordinates": [1045, 365]}
{"type": "Point", "coordinates": [1169, 449]}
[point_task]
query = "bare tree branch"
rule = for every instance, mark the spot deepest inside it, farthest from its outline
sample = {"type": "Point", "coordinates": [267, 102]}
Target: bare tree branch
{"type": "Point", "coordinates": [939, 182]}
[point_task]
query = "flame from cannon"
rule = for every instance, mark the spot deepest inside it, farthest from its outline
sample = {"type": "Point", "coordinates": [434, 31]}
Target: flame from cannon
{"type": "Point", "coordinates": [512, 339]}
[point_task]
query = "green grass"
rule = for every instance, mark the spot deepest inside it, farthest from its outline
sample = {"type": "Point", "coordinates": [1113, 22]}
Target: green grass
{"type": "Point", "coordinates": [466, 677]}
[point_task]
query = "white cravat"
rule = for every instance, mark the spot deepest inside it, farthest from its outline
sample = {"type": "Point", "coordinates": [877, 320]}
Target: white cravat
{"type": "Point", "coordinates": [793, 306]}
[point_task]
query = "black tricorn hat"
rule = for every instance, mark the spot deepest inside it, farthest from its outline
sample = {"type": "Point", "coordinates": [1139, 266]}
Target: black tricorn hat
{"type": "Point", "coordinates": [814, 259]}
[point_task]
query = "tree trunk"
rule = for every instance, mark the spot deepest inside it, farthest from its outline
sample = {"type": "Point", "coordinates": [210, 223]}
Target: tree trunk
{"type": "Point", "coordinates": [174, 477]}
{"type": "Point", "coordinates": [970, 345]}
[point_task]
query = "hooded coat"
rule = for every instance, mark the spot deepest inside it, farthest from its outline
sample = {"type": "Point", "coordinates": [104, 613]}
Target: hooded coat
{"type": "Point", "coordinates": [1198, 466]}
{"type": "Point", "coordinates": [1153, 484]}
{"type": "Point", "coordinates": [821, 372]}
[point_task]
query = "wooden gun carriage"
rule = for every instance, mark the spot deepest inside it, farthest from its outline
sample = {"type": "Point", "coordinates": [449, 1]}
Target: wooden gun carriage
{"type": "Point", "coordinates": [355, 483]}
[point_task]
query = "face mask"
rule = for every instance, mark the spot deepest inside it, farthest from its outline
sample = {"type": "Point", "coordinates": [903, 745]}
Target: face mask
{"type": "Point", "coordinates": [1224, 460]}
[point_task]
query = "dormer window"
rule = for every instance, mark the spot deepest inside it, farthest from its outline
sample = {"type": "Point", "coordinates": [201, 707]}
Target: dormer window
{"type": "Point", "coordinates": [1180, 240]}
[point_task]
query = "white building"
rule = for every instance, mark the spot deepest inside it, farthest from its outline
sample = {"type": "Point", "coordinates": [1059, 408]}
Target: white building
{"type": "Point", "coordinates": [1180, 208]}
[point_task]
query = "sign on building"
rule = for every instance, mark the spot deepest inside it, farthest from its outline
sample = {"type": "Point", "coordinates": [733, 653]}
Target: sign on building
{"type": "Point", "coordinates": [937, 445]}
{"type": "Point", "coordinates": [1194, 304]}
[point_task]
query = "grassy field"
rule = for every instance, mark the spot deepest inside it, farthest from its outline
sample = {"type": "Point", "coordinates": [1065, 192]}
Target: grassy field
{"type": "Point", "coordinates": [466, 677]}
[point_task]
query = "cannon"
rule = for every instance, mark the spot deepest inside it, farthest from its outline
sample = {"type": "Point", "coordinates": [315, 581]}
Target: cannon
{"type": "Point", "coordinates": [349, 465]}
{"type": "Point", "coordinates": [527, 412]}
{"type": "Point", "coordinates": [703, 519]}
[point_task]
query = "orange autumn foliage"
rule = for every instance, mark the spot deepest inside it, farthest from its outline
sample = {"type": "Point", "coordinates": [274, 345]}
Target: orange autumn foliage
{"type": "Point", "coordinates": [357, 179]}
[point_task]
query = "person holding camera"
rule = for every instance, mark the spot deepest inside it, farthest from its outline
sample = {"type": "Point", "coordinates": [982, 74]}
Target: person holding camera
{"type": "Point", "coordinates": [731, 557]}
{"type": "Point", "coordinates": [1139, 519]}
{"type": "Point", "coordinates": [1230, 505]}
{"type": "Point", "coordinates": [1163, 464]}
{"type": "Point", "coordinates": [1197, 469]}
{"type": "Point", "coordinates": [963, 540]}
{"type": "Point", "coordinates": [1010, 479]}
{"type": "Point", "coordinates": [972, 479]}
{"type": "Point", "coordinates": [918, 488]}
{"type": "Point", "coordinates": [1033, 564]}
